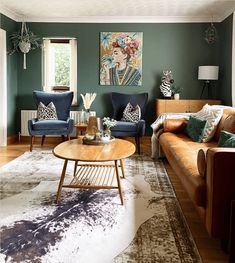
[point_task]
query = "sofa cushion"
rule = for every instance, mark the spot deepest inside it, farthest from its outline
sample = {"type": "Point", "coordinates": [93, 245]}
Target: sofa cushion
{"type": "Point", "coordinates": [195, 128]}
{"type": "Point", "coordinates": [226, 123]}
{"type": "Point", "coordinates": [50, 125]}
{"type": "Point", "coordinates": [183, 159]}
{"type": "Point", "coordinates": [125, 126]}
{"type": "Point", "coordinates": [174, 125]}
{"type": "Point", "coordinates": [229, 124]}
{"type": "Point", "coordinates": [213, 116]}
{"type": "Point", "coordinates": [226, 139]}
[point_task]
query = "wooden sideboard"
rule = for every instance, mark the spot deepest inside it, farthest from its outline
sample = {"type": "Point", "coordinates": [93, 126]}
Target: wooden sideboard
{"type": "Point", "coordinates": [179, 106]}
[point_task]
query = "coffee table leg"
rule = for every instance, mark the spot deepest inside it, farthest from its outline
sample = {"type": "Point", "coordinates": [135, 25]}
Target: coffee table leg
{"type": "Point", "coordinates": [61, 181]}
{"type": "Point", "coordinates": [75, 168]}
{"type": "Point", "coordinates": [118, 181]}
{"type": "Point", "coordinates": [122, 168]}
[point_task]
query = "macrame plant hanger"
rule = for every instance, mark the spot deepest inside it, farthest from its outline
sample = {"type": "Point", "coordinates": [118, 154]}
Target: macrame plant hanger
{"type": "Point", "coordinates": [211, 34]}
{"type": "Point", "coordinates": [24, 44]}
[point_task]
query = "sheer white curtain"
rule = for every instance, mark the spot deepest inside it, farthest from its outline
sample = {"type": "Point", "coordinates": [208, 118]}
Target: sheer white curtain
{"type": "Point", "coordinates": [233, 63]}
{"type": "Point", "coordinates": [73, 68]}
{"type": "Point", "coordinates": [47, 77]}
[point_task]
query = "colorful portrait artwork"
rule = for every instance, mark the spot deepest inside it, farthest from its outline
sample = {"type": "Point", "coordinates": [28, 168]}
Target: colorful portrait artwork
{"type": "Point", "coordinates": [121, 58]}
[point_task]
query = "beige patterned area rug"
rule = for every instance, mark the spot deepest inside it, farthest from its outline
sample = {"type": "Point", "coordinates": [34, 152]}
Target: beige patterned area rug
{"type": "Point", "coordinates": [90, 226]}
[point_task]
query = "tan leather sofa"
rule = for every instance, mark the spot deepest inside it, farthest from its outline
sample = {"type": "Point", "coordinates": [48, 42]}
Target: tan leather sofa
{"type": "Point", "coordinates": [208, 175]}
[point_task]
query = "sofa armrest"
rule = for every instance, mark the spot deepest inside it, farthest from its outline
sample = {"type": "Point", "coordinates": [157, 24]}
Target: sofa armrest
{"type": "Point", "coordinates": [174, 125]}
{"type": "Point", "coordinates": [220, 183]}
{"type": "Point", "coordinates": [202, 161]}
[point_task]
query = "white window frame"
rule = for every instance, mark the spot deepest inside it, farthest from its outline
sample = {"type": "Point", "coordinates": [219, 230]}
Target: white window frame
{"type": "Point", "coordinates": [73, 66]}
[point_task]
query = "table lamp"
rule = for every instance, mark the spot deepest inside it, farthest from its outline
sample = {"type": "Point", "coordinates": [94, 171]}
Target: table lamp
{"type": "Point", "coordinates": [207, 73]}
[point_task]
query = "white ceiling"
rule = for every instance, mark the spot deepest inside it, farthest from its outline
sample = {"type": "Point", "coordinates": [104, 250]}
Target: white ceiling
{"type": "Point", "coordinates": [117, 11]}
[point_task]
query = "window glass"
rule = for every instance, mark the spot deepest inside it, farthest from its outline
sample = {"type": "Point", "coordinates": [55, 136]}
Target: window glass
{"type": "Point", "coordinates": [60, 66]}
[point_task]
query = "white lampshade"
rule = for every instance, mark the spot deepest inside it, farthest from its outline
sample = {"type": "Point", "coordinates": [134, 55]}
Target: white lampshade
{"type": "Point", "coordinates": [208, 72]}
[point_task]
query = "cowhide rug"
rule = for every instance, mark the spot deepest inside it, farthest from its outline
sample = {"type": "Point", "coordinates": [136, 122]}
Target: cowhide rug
{"type": "Point", "coordinates": [90, 226]}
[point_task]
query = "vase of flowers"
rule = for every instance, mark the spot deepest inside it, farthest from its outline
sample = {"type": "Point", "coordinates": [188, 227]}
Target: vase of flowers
{"type": "Point", "coordinates": [107, 124]}
{"type": "Point", "coordinates": [88, 99]}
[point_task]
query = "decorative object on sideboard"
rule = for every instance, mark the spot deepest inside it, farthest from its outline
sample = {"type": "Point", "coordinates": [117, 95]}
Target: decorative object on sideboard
{"type": "Point", "coordinates": [24, 41]}
{"type": "Point", "coordinates": [207, 73]}
{"type": "Point", "coordinates": [176, 90]}
{"type": "Point", "coordinates": [167, 81]}
{"type": "Point", "coordinates": [211, 35]}
{"type": "Point", "coordinates": [88, 99]}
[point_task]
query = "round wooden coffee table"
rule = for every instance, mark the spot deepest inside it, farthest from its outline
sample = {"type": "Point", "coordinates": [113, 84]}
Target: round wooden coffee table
{"type": "Point", "coordinates": [93, 175]}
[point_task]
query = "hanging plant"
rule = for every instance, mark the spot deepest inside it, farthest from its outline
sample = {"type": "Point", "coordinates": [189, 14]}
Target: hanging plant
{"type": "Point", "coordinates": [211, 35]}
{"type": "Point", "coordinates": [24, 41]}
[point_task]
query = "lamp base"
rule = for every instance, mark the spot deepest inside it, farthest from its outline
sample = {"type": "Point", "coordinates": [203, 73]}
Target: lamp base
{"type": "Point", "coordinates": [207, 85]}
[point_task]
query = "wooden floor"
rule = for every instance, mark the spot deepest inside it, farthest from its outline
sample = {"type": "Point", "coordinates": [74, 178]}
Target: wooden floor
{"type": "Point", "coordinates": [209, 249]}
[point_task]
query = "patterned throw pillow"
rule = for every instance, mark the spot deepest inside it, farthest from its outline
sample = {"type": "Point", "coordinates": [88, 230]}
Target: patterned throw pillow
{"type": "Point", "coordinates": [226, 139]}
{"type": "Point", "coordinates": [47, 112]}
{"type": "Point", "coordinates": [132, 114]}
{"type": "Point", "coordinates": [195, 128]}
{"type": "Point", "coordinates": [213, 116]}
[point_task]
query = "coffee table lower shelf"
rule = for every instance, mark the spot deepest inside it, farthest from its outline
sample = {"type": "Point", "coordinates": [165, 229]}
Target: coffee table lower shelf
{"type": "Point", "coordinates": [93, 176]}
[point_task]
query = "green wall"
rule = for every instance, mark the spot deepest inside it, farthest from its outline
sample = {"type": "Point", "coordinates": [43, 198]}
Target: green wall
{"type": "Point", "coordinates": [10, 26]}
{"type": "Point", "coordinates": [180, 47]}
{"type": "Point", "coordinates": [225, 38]}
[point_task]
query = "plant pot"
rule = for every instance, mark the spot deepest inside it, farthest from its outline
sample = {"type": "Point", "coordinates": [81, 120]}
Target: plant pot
{"type": "Point", "coordinates": [24, 46]}
{"type": "Point", "coordinates": [107, 134]}
{"type": "Point", "coordinates": [176, 96]}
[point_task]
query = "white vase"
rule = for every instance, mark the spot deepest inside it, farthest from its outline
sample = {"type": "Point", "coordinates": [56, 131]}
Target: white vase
{"type": "Point", "coordinates": [176, 96]}
{"type": "Point", "coordinates": [87, 115]}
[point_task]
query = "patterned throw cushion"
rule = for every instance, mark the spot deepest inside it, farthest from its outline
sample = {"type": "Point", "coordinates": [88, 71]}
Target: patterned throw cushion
{"type": "Point", "coordinates": [226, 139]}
{"type": "Point", "coordinates": [213, 116]}
{"type": "Point", "coordinates": [195, 128]}
{"type": "Point", "coordinates": [47, 112]}
{"type": "Point", "coordinates": [132, 114]}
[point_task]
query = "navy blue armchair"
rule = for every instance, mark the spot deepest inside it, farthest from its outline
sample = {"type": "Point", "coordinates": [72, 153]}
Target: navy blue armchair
{"type": "Point", "coordinates": [63, 126]}
{"type": "Point", "coordinates": [128, 129]}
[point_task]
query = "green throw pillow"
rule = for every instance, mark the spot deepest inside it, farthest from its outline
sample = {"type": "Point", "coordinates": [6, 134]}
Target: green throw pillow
{"type": "Point", "coordinates": [226, 139]}
{"type": "Point", "coordinates": [195, 128]}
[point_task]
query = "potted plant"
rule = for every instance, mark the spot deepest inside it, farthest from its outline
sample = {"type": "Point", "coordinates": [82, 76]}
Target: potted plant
{"type": "Point", "coordinates": [176, 90]}
{"type": "Point", "coordinates": [24, 41]}
{"type": "Point", "coordinates": [107, 124]}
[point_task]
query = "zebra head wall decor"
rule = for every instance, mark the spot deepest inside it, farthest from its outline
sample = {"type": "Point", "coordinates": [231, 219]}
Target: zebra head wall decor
{"type": "Point", "coordinates": [167, 81]}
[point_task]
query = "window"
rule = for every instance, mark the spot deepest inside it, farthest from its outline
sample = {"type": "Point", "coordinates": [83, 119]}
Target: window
{"type": "Point", "coordinates": [60, 65]}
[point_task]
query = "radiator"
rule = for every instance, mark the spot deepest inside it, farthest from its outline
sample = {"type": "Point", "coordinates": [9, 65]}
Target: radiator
{"type": "Point", "coordinates": [30, 114]}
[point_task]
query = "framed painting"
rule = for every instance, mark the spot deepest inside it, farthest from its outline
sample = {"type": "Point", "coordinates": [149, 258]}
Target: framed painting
{"type": "Point", "coordinates": [121, 58]}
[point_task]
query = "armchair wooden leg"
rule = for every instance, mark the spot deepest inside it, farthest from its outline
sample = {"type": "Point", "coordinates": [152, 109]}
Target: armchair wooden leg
{"type": "Point", "coordinates": [137, 141]}
{"type": "Point", "coordinates": [31, 143]}
{"type": "Point", "coordinates": [43, 139]}
{"type": "Point", "coordinates": [62, 136]}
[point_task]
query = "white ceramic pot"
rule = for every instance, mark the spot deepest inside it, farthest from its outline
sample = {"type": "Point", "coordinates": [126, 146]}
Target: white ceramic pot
{"type": "Point", "coordinates": [24, 46]}
{"type": "Point", "coordinates": [176, 96]}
